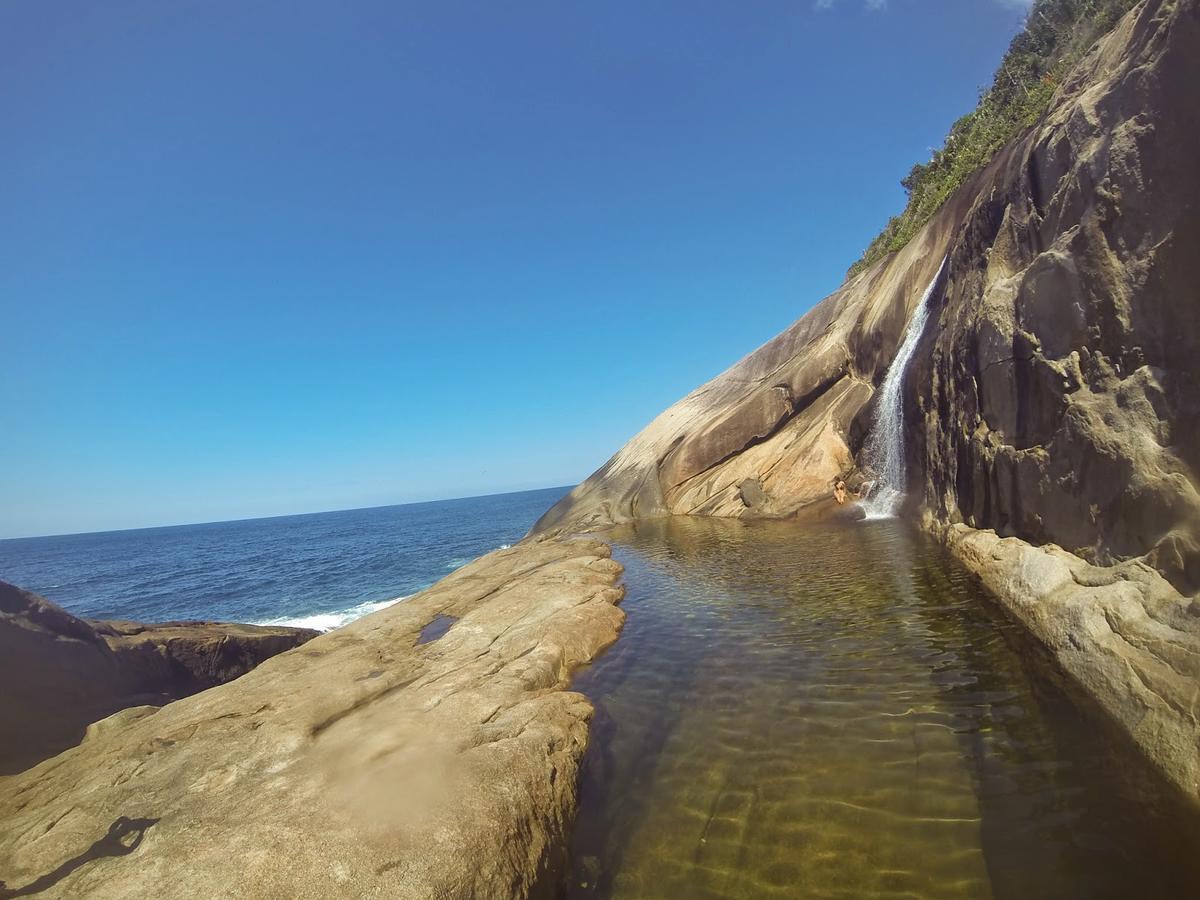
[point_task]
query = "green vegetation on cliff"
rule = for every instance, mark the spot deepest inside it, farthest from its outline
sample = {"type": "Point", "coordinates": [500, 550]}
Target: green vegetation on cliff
{"type": "Point", "coordinates": [1056, 34]}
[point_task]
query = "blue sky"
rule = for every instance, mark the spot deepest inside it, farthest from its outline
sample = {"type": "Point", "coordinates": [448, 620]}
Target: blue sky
{"type": "Point", "coordinates": [275, 257]}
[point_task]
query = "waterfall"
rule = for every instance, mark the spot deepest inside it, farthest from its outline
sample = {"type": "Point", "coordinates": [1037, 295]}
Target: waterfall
{"type": "Point", "coordinates": [884, 450]}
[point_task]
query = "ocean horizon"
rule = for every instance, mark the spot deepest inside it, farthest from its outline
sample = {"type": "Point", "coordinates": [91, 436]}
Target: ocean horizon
{"type": "Point", "coordinates": [311, 570]}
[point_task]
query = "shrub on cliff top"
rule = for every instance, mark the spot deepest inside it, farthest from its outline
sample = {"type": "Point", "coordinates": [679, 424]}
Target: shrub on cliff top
{"type": "Point", "coordinates": [1056, 34]}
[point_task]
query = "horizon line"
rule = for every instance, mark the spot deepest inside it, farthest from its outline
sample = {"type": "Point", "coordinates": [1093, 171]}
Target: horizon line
{"type": "Point", "coordinates": [315, 512]}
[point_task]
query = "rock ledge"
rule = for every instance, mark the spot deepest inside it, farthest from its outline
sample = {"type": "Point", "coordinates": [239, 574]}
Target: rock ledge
{"type": "Point", "coordinates": [361, 764]}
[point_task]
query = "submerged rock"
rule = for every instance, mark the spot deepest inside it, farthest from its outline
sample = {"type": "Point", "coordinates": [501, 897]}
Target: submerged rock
{"type": "Point", "coordinates": [61, 673]}
{"type": "Point", "coordinates": [1054, 396]}
{"type": "Point", "coordinates": [362, 763]}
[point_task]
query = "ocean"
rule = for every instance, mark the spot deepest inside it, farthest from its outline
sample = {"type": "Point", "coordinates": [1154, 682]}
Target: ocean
{"type": "Point", "coordinates": [318, 570]}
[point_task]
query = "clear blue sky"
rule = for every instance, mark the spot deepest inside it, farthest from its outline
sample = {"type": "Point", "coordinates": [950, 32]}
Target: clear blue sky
{"type": "Point", "coordinates": [279, 256]}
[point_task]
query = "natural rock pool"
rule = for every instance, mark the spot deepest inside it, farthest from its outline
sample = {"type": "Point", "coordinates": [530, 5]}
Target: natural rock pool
{"type": "Point", "coordinates": [839, 711]}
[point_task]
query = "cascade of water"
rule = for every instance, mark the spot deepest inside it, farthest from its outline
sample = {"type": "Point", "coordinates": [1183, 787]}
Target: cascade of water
{"type": "Point", "coordinates": [884, 450]}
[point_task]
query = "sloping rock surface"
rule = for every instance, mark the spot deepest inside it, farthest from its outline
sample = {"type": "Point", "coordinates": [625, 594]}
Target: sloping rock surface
{"type": "Point", "coordinates": [61, 673]}
{"type": "Point", "coordinates": [361, 764]}
{"type": "Point", "coordinates": [1055, 394]}
{"type": "Point", "coordinates": [1057, 383]}
{"type": "Point", "coordinates": [771, 434]}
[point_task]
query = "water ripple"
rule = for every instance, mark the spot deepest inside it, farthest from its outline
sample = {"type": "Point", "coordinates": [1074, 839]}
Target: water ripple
{"type": "Point", "coordinates": [793, 713]}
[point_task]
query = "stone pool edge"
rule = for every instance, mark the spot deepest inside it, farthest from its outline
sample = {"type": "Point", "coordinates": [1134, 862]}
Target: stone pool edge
{"type": "Point", "coordinates": [1122, 633]}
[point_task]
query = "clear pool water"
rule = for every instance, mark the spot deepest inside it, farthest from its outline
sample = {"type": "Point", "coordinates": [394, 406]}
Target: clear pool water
{"type": "Point", "coordinates": [841, 712]}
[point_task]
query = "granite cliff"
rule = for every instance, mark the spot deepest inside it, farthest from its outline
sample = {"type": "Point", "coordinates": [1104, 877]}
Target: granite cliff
{"type": "Point", "coordinates": [1051, 409]}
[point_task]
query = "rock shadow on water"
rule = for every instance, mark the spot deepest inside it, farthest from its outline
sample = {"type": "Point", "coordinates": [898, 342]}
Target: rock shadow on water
{"type": "Point", "coordinates": [1057, 783]}
{"type": "Point", "coordinates": [124, 836]}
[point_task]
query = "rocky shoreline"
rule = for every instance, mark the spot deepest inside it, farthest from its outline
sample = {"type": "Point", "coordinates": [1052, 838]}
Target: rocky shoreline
{"type": "Point", "coordinates": [363, 763]}
{"type": "Point", "coordinates": [433, 748]}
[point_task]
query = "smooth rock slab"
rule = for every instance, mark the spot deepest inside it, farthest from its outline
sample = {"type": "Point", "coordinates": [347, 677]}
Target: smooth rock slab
{"type": "Point", "coordinates": [359, 765]}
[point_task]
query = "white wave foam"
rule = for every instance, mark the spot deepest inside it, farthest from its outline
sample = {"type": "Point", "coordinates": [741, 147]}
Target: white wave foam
{"type": "Point", "coordinates": [330, 620]}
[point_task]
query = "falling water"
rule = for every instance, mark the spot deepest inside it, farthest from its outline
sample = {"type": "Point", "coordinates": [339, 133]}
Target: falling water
{"type": "Point", "coordinates": [884, 451]}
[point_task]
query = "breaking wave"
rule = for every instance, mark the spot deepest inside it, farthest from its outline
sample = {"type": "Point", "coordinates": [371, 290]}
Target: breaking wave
{"type": "Point", "coordinates": [327, 621]}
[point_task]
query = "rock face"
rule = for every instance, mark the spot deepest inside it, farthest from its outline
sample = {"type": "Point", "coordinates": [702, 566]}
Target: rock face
{"type": "Point", "coordinates": [772, 433]}
{"type": "Point", "coordinates": [1059, 395]}
{"type": "Point", "coordinates": [186, 657]}
{"type": "Point", "coordinates": [1122, 632]}
{"type": "Point", "coordinates": [1054, 397]}
{"type": "Point", "coordinates": [1057, 383]}
{"type": "Point", "coordinates": [62, 673]}
{"type": "Point", "coordinates": [363, 763]}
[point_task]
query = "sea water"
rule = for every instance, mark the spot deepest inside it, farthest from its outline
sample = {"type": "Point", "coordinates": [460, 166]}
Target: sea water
{"type": "Point", "coordinates": [317, 571]}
